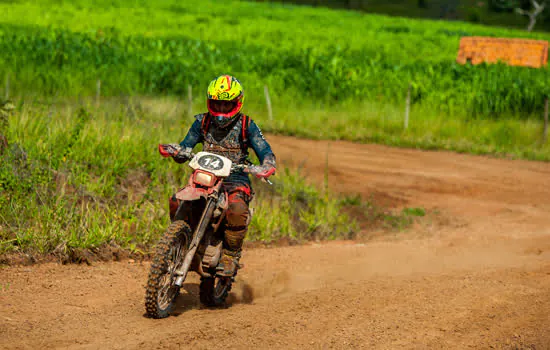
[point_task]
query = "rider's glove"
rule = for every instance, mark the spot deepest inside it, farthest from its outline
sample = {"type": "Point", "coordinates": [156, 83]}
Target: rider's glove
{"type": "Point", "coordinates": [265, 170]}
{"type": "Point", "coordinates": [183, 155]}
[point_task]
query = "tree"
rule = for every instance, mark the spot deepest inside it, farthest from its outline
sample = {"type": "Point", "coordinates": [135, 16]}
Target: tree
{"type": "Point", "coordinates": [503, 5]}
{"type": "Point", "coordinates": [533, 14]}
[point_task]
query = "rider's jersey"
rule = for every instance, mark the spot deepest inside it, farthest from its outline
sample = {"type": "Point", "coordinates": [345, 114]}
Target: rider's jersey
{"type": "Point", "coordinates": [229, 142]}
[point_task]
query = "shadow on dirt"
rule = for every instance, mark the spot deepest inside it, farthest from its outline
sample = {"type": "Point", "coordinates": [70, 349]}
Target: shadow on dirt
{"type": "Point", "coordinates": [242, 293]}
{"type": "Point", "coordinates": [189, 298]}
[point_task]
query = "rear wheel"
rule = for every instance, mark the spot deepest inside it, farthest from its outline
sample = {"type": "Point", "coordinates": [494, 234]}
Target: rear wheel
{"type": "Point", "coordinates": [161, 291]}
{"type": "Point", "coordinates": [214, 290]}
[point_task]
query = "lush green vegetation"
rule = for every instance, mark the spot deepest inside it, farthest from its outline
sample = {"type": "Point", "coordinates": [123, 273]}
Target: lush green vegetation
{"type": "Point", "coordinates": [77, 177]}
{"type": "Point", "coordinates": [303, 54]}
{"type": "Point", "coordinates": [80, 177]}
{"type": "Point", "coordinates": [428, 129]}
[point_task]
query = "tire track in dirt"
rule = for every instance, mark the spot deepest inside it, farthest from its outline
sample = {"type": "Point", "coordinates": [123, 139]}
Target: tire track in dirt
{"type": "Point", "coordinates": [481, 280]}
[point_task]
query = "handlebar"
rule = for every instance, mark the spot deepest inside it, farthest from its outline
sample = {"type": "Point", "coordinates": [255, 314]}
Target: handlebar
{"type": "Point", "coordinates": [169, 150]}
{"type": "Point", "coordinates": [239, 167]}
{"type": "Point", "coordinates": [172, 149]}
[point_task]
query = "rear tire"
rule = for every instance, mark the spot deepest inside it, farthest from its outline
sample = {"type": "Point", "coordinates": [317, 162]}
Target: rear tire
{"type": "Point", "coordinates": [214, 290]}
{"type": "Point", "coordinates": [161, 291]}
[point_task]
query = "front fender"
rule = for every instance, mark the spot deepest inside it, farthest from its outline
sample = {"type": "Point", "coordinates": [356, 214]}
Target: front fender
{"type": "Point", "coordinates": [189, 193]}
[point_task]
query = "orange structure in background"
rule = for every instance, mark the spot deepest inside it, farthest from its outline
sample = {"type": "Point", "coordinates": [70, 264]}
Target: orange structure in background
{"type": "Point", "coordinates": [515, 52]}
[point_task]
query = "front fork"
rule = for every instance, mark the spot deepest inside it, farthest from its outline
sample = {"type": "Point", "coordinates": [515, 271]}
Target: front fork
{"type": "Point", "coordinates": [197, 237]}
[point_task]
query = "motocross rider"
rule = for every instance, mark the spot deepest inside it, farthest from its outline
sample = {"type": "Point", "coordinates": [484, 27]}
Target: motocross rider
{"type": "Point", "coordinates": [224, 130]}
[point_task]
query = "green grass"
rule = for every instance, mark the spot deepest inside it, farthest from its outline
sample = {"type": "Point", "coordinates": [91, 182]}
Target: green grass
{"type": "Point", "coordinates": [83, 177]}
{"type": "Point", "coordinates": [372, 217]}
{"type": "Point", "coordinates": [79, 177]}
{"type": "Point", "coordinates": [303, 54]}
{"type": "Point", "coordinates": [332, 74]}
{"type": "Point", "coordinates": [376, 123]}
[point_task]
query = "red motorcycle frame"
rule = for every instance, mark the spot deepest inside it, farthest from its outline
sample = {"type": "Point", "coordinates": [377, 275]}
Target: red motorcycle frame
{"type": "Point", "coordinates": [194, 244]}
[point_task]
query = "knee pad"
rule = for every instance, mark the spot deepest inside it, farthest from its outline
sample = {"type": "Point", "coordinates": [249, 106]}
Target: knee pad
{"type": "Point", "coordinates": [234, 238]}
{"type": "Point", "coordinates": [237, 212]}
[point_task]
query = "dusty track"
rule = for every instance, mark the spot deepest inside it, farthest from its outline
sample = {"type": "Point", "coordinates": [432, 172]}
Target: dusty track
{"type": "Point", "coordinates": [475, 274]}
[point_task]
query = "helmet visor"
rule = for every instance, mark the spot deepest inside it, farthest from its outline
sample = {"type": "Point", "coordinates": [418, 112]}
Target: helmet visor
{"type": "Point", "coordinates": [221, 106]}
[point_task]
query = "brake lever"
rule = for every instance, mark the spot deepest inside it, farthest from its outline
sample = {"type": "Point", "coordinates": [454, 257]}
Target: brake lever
{"type": "Point", "coordinates": [266, 181]}
{"type": "Point", "coordinates": [244, 167]}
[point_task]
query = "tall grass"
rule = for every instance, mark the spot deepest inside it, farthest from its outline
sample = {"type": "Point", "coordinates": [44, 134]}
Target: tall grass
{"type": "Point", "coordinates": [382, 123]}
{"type": "Point", "coordinates": [77, 176]}
{"type": "Point", "coordinates": [305, 54]}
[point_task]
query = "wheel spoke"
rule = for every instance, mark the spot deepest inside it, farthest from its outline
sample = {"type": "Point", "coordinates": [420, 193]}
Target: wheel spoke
{"type": "Point", "coordinates": [166, 293]}
{"type": "Point", "coordinates": [219, 289]}
{"type": "Point", "coordinates": [168, 290]}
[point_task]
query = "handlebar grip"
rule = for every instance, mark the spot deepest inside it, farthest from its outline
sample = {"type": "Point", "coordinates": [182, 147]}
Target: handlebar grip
{"type": "Point", "coordinates": [165, 150]}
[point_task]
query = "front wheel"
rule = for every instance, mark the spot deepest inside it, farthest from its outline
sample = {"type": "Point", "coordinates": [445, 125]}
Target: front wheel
{"type": "Point", "coordinates": [214, 290]}
{"type": "Point", "coordinates": [161, 290]}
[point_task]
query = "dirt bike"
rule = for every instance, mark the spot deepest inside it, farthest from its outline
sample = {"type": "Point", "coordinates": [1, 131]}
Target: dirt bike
{"type": "Point", "coordinates": [195, 244]}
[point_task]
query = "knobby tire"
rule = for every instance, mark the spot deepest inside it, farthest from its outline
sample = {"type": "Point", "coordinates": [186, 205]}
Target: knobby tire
{"type": "Point", "coordinates": [178, 231]}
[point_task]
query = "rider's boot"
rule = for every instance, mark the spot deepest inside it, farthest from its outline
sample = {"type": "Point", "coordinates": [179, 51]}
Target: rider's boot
{"type": "Point", "coordinates": [229, 262]}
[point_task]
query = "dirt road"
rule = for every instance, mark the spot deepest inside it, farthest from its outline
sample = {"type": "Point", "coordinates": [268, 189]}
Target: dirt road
{"type": "Point", "coordinates": [476, 273]}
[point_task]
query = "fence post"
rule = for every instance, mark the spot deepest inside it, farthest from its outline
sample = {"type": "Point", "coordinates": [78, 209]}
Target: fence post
{"type": "Point", "coordinates": [189, 100]}
{"type": "Point", "coordinates": [98, 92]}
{"type": "Point", "coordinates": [545, 133]}
{"type": "Point", "coordinates": [268, 102]}
{"type": "Point", "coordinates": [326, 173]}
{"type": "Point", "coordinates": [408, 107]}
{"type": "Point", "coordinates": [7, 86]}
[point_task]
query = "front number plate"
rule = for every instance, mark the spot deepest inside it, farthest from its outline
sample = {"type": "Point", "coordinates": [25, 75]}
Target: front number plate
{"type": "Point", "coordinates": [211, 162]}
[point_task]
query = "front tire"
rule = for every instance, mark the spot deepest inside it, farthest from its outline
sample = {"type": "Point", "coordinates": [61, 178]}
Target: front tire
{"type": "Point", "coordinates": [161, 291]}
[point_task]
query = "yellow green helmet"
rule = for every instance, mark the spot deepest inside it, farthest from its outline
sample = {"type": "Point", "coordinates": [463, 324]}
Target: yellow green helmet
{"type": "Point", "coordinates": [225, 97]}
